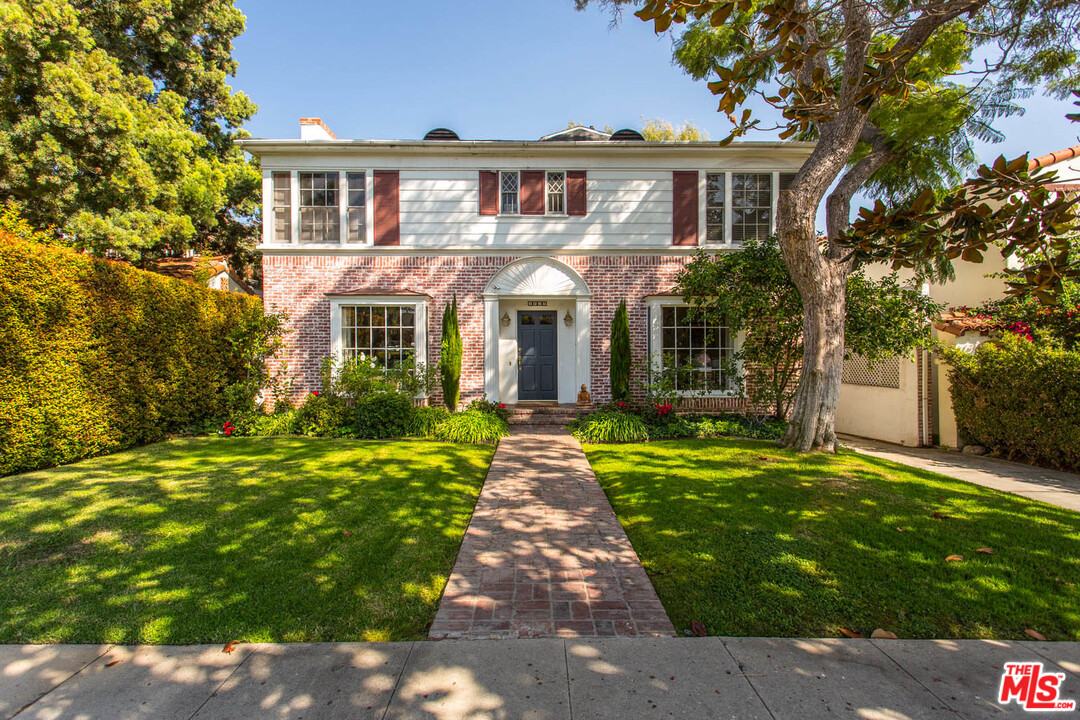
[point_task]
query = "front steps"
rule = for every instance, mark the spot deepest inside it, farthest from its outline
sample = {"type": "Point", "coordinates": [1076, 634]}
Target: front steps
{"type": "Point", "coordinates": [527, 414]}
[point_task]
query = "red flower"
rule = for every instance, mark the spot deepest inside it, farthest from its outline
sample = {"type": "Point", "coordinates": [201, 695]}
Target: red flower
{"type": "Point", "coordinates": [314, 392]}
{"type": "Point", "coordinates": [228, 431]}
{"type": "Point", "coordinates": [622, 404]}
{"type": "Point", "coordinates": [502, 406]}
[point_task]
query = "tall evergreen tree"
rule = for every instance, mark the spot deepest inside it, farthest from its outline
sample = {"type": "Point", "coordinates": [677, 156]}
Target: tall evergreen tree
{"type": "Point", "coordinates": [620, 354]}
{"type": "Point", "coordinates": [117, 125]}
{"type": "Point", "coordinates": [450, 357]}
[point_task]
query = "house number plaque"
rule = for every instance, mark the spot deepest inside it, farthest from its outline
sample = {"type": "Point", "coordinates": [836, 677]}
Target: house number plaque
{"type": "Point", "coordinates": [538, 303]}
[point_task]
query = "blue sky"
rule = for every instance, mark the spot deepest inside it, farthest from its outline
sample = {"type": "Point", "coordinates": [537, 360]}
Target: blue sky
{"type": "Point", "coordinates": [513, 69]}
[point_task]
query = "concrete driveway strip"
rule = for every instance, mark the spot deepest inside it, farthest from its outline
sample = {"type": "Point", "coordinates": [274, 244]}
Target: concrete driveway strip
{"type": "Point", "coordinates": [1065, 655]}
{"type": "Point", "coordinates": [966, 674]}
{"type": "Point", "coordinates": [161, 682]}
{"type": "Point", "coordinates": [484, 679]}
{"type": "Point", "coordinates": [28, 672]}
{"type": "Point", "coordinates": [329, 681]}
{"type": "Point", "coordinates": [619, 679]}
{"type": "Point", "coordinates": [800, 679]}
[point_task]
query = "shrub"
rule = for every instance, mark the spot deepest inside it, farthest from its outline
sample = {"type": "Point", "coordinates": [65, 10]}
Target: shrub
{"type": "Point", "coordinates": [482, 404]}
{"type": "Point", "coordinates": [1019, 398]}
{"type": "Point", "coordinates": [472, 426]}
{"type": "Point", "coordinates": [323, 415]}
{"type": "Point", "coordinates": [96, 356]}
{"type": "Point", "coordinates": [620, 354]}
{"type": "Point", "coordinates": [258, 423]}
{"type": "Point", "coordinates": [424, 420]}
{"type": "Point", "coordinates": [450, 357]}
{"type": "Point", "coordinates": [382, 415]}
{"type": "Point", "coordinates": [604, 427]}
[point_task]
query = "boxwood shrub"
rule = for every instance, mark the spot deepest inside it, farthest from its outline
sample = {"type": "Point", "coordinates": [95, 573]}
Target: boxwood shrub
{"type": "Point", "coordinates": [1019, 398]}
{"type": "Point", "coordinates": [96, 356]}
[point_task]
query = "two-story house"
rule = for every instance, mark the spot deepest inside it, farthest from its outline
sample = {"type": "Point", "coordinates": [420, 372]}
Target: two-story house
{"type": "Point", "coordinates": [365, 241]}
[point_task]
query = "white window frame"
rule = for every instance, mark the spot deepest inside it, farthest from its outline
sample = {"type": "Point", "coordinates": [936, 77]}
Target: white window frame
{"type": "Point", "coordinates": [518, 174]}
{"type": "Point", "coordinates": [338, 302]}
{"type": "Point", "coordinates": [655, 305]}
{"type": "Point", "coordinates": [342, 211]}
{"type": "Point", "coordinates": [294, 207]}
{"type": "Point", "coordinates": [728, 213]}
{"type": "Point", "coordinates": [546, 210]}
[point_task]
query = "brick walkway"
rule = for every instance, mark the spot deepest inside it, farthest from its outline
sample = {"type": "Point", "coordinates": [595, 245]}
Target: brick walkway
{"type": "Point", "coordinates": [544, 554]}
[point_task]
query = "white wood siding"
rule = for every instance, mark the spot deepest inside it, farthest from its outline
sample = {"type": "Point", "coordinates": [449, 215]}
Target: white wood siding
{"type": "Point", "coordinates": [439, 208]}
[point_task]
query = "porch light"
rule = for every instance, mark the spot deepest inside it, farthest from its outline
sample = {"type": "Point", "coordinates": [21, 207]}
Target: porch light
{"type": "Point", "coordinates": [505, 319]}
{"type": "Point", "coordinates": [568, 320]}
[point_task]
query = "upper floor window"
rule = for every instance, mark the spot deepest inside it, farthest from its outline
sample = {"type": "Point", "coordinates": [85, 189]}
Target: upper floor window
{"type": "Point", "coordinates": [751, 206]}
{"type": "Point", "coordinates": [356, 198]}
{"type": "Point", "coordinates": [320, 216]}
{"type": "Point", "coordinates": [282, 210]}
{"type": "Point", "coordinates": [509, 191]}
{"type": "Point", "coordinates": [556, 193]}
{"type": "Point", "coordinates": [714, 207]}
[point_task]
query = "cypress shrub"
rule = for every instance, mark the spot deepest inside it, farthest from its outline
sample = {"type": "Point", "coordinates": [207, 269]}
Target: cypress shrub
{"type": "Point", "coordinates": [450, 357]}
{"type": "Point", "coordinates": [96, 356]}
{"type": "Point", "coordinates": [620, 354]}
{"type": "Point", "coordinates": [1019, 398]}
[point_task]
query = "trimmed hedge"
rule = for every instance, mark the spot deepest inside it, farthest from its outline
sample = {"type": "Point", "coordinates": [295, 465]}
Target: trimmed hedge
{"type": "Point", "coordinates": [1021, 399]}
{"type": "Point", "coordinates": [96, 356]}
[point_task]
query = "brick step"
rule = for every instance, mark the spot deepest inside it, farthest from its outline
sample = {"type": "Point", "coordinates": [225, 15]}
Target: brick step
{"type": "Point", "coordinates": [543, 414]}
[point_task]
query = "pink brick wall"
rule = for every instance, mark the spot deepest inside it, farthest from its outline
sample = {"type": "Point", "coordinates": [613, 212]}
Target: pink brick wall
{"type": "Point", "coordinates": [298, 285]}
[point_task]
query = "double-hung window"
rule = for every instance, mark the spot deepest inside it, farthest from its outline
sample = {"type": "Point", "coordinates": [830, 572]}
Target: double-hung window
{"type": "Point", "coordinates": [282, 208]}
{"type": "Point", "coordinates": [751, 206]}
{"type": "Point", "coordinates": [556, 193]}
{"type": "Point", "coordinates": [320, 216]}
{"type": "Point", "coordinates": [356, 200]}
{"type": "Point", "coordinates": [700, 353]}
{"type": "Point", "coordinates": [714, 207]}
{"type": "Point", "coordinates": [509, 192]}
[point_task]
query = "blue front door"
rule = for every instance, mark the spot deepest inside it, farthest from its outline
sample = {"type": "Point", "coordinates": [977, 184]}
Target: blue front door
{"type": "Point", "coordinates": [537, 356]}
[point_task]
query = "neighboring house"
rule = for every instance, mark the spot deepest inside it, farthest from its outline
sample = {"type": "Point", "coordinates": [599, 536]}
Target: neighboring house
{"type": "Point", "coordinates": [907, 400]}
{"type": "Point", "coordinates": [365, 241]}
{"type": "Point", "coordinates": [213, 272]}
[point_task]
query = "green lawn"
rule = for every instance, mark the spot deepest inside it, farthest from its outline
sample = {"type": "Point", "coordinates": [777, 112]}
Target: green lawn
{"type": "Point", "coordinates": [752, 540]}
{"type": "Point", "coordinates": [249, 539]}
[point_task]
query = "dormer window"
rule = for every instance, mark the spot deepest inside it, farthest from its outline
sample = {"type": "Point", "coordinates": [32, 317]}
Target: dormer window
{"type": "Point", "coordinates": [509, 193]}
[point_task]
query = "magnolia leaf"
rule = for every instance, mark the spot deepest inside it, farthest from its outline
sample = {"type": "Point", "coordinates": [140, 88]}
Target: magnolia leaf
{"type": "Point", "coordinates": [954, 558]}
{"type": "Point", "coordinates": [1035, 635]}
{"type": "Point", "coordinates": [850, 633]}
{"type": "Point", "coordinates": [883, 635]}
{"type": "Point", "coordinates": [229, 646]}
{"type": "Point", "coordinates": [699, 629]}
{"type": "Point", "coordinates": [985, 551]}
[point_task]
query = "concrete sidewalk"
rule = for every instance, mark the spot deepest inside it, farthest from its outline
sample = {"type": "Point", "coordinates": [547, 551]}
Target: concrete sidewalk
{"type": "Point", "coordinates": [1049, 486]}
{"type": "Point", "coordinates": [539, 679]}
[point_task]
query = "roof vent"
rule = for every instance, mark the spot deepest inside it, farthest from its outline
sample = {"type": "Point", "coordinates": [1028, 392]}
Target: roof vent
{"type": "Point", "coordinates": [627, 134]}
{"type": "Point", "coordinates": [441, 134]}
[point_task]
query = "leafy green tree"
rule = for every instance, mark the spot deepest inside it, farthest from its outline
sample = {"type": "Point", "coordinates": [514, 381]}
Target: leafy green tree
{"type": "Point", "coordinates": [117, 125]}
{"type": "Point", "coordinates": [751, 292]}
{"type": "Point", "coordinates": [851, 77]}
{"type": "Point", "coordinates": [620, 359]}
{"type": "Point", "coordinates": [660, 130]}
{"type": "Point", "coordinates": [450, 357]}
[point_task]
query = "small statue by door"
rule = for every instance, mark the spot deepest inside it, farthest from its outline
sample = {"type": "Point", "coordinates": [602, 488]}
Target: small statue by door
{"type": "Point", "coordinates": [583, 398]}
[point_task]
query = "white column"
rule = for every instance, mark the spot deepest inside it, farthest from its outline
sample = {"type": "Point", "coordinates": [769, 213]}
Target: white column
{"type": "Point", "coordinates": [491, 347]}
{"type": "Point", "coordinates": [584, 343]}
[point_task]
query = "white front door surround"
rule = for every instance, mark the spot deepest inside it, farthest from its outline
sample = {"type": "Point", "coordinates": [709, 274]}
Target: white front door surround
{"type": "Point", "coordinates": [549, 285]}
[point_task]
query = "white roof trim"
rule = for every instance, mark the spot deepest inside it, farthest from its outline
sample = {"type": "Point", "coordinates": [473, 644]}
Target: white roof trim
{"type": "Point", "coordinates": [593, 131]}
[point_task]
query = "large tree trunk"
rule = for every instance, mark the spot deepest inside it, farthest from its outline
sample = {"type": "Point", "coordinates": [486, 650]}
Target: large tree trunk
{"type": "Point", "coordinates": [821, 281]}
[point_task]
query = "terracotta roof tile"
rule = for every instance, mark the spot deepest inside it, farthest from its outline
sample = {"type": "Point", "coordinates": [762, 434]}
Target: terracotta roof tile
{"type": "Point", "coordinates": [958, 322]}
{"type": "Point", "coordinates": [1054, 157]}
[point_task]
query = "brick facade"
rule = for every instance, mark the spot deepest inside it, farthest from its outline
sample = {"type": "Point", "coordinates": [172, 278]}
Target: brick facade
{"type": "Point", "coordinates": [298, 285]}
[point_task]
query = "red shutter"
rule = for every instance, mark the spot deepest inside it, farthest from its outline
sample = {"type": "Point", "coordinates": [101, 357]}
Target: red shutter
{"type": "Point", "coordinates": [532, 192]}
{"type": "Point", "coordinates": [684, 206]}
{"type": "Point", "coordinates": [489, 192]}
{"type": "Point", "coordinates": [387, 215]}
{"type": "Point", "coordinates": [575, 192]}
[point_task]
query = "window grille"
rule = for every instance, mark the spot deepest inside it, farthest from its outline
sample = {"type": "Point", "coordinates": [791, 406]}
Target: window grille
{"type": "Point", "coordinates": [282, 207]}
{"type": "Point", "coordinates": [699, 351]}
{"type": "Point", "coordinates": [319, 213]}
{"type": "Point", "coordinates": [556, 193]}
{"type": "Point", "coordinates": [386, 333]}
{"type": "Point", "coordinates": [751, 206]}
{"type": "Point", "coordinates": [356, 199]}
{"type": "Point", "coordinates": [509, 184]}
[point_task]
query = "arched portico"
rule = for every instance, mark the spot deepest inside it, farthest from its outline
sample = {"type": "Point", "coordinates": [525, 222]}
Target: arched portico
{"type": "Point", "coordinates": [544, 285]}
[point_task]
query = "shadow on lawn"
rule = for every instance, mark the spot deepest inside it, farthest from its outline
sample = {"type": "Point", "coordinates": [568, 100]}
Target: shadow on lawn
{"type": "Point", "coordinates": [753, 540]}
{"type": "Point", "coordinates": [253, 539]}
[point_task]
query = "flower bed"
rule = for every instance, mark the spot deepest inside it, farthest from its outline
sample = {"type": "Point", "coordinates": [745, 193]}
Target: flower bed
{"type": "Point", "coordinates": [621, 422]}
